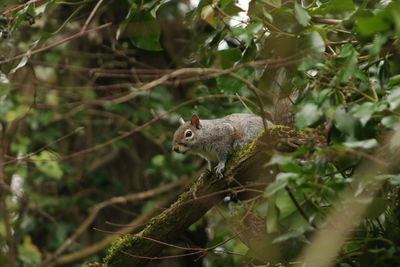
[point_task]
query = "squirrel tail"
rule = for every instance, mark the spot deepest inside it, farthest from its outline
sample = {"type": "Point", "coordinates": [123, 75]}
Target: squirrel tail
{"type": "Point", "coordinates": [283, 111]}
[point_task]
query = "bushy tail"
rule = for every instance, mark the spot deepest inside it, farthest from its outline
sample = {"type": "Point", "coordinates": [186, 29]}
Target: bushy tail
{"type": "Point", "coordinates": [283, 112]}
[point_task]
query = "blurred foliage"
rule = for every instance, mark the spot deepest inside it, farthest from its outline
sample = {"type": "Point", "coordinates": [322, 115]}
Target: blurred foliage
{"type": "Point", "coordinates": [68, 138]}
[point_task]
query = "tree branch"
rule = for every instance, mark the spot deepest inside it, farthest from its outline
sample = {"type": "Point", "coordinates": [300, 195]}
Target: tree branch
{"type": "Point", "coordinates": [245, 167]}
{"type": "Point", "coordinates": [96, 209]}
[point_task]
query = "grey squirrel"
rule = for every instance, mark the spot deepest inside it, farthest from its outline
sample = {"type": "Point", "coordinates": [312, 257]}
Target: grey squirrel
{"type": "Point", "coordinates": [216, 139]}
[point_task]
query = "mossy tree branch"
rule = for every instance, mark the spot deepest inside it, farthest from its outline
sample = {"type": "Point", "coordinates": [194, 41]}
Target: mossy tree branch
{"type": "Point", "coordinates": [245, 168]}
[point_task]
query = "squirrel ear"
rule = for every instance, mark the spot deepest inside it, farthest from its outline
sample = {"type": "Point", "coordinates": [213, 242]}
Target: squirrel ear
{"type": "Point", "coordinates": [181, 120]}
{"type": "Point", "coordinates": [195, 121]}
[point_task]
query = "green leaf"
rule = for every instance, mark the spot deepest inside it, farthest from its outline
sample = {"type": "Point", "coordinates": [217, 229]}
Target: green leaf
{"type": "Point", "coordinates": [317, 42]}
{"type": "Point", "coordinates": [346, 51]}
{"type": "Point", "coordinates": [363, 111]}
{"type": "Point", "coordinates": [158, 161]}
{"type": "Point", "coordinates": [21, 15]}
{"type": "Point", "coordinates": [284, 204]}
{"type": "Point", "coordinates": [281, 181]}
{"type": "Point", "coordinates": [144, 31]}
{"type": "Point", "coordinates": [395, 11]}
{"type": "Point", "coordinates": [229, 7]}
{"type": "Point", "coordinates": [231, 85]}
{"type": "Point", "coordinates": [394, 80]}
{"type": "Point", "coordinates": [335, 6]}
{"type": "Point", "coordinates": [288, 235]}
{"type": "Point", "coordinates": [345, 122]}
{"type": "Point", "coordinates": [274, 3]}
{"type": "Point", "coordinates": [392, 121]}
{"type": "Point", "coordinates": [308, 115]}
{"type": "Point", "coordinates": [301, 15]}
{"type": "Point", "coordinates": [366, 144]}
{"type": "Point", "coordinates": [272, 215]}
{"type": "Point", "coordinates": [342, 5]}
{"type": "Point", "coordinates": [228, 57]}
{"type": "Point", "coordinates": [42, 8]}
{"type": "Point", "coordinates": [21, 64]}
{"type": "Point", "coordinates": [377, 43]}
{"type": "Point", "coordinates": [208, 15]}
{"type": "Point", "coordinates": [384, 74]}
{"type": "Point", "coordinates": [286, 163]}
{"type": "Point", "coordinates": [349, 66]}
{"type": "Point", "coordinates": [17, 113]}
{"type": "Point", "coordinates": [371, 24]}
{"type": "Point", "coordinates": [394, 98]}
{"type": "Point", "coordinates": [280, 160]}
{"type": "Point", "coordinates": [29, 253]}
{"type": "Point", "coordinates": [249, 33]}
{"type": "Point", "coordinates": [377, 207]}
{"type": "Point", "coordinates": [47, 163]}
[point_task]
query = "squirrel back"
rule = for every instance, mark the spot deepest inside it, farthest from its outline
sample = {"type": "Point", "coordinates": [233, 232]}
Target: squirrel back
{"type": "Point", "coordinates": [215, 139]}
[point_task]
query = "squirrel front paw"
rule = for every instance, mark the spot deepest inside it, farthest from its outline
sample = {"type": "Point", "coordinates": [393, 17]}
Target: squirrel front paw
{"type": "Point", "coordinates": [219, 169]}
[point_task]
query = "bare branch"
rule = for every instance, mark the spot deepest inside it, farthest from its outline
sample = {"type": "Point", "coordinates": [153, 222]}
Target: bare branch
{"type": "Point", "coordinates": [112, 201]}
{"type": "Point", "coordinates": [47, 47]}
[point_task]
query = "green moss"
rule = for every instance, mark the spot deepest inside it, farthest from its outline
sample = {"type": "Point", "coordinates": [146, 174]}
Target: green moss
{"type": "Point", "coordinates": [93, 264]}
{"type": "Point", "coordinates": [117, 246]}
{"type": "Point", "coordinates": [246, 149]}
{"type": "Point", "coordinates": [272, 130]}
{"type": "Point", "coordinates": [281, 129]}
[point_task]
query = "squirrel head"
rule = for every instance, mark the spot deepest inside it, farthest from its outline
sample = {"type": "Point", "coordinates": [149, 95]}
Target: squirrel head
{"type": "Point", "coordinates": [186, 135]}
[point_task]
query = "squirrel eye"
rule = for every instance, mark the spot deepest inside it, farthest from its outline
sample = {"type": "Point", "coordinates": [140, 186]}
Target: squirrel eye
{"type": "Point", "coordinates": [188, 133]}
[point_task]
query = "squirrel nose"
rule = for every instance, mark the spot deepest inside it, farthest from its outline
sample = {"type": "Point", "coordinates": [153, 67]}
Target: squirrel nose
{"type": "Point", "coordinates": [175, 148]}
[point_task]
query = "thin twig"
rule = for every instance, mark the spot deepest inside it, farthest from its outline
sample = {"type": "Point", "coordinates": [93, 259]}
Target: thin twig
{"type": "Point", "coordinates": [69, 38]}
{"type": "Point", "coordinates": [135, 130]}
{"type": "Point", "coordinates": [112, 201]}
{"type": "Point", "coordinates": [91, 15]}
{"type": "Point", "coordinates": [299, 208]}
{"type": "Point", "coordinates": [94, 248]}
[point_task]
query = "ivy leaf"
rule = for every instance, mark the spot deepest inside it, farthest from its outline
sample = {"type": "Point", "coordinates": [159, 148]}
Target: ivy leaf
{"type": "Point", "coordinates": [377, 207]}
{"type": "Point", "coordinates": [229, 7]}
{"type": "Point", "coordinates": [286, 163]}
{"type": "Point", "coordinates": [335, 6]}
{"type": "Point", "coordinates": [30, 254]}
{"type": "Point", "coordinates": [284, 204]}
{"type": "Point", "coordinates": [207, 14]}
{"type": "Point", "coordinates": [363, 112]}
{"type": "Point", "coordinates": [47, 163]}
{"type": "Point", "coordinates": [21, 64]}
{"type": "Point", "coordinates": [249, 33]}
{"type": "Point", "coordinates": [25, 59]}
{"type": "Point", "coordinates": [232, 85]}
{"type": "Point", "coordinates": [271, 219]}
{"type": "Point", "coordinates": [229, 56]}
{"type": "Point", "coordinates": [274, 3]}
{"type": "Point", "coordinates": [301, 15]}
{"type": "Point", "coordinates": [345, 122]}
{"type": "Point", "coordinates": [21, 15]}
{"type": "Point", "coordinates": [366, 144]}
{"type": "Point", "coordinates": [372, 24]}
{"type": "Point", "coordinates": [308, 115]}
{"type": "Point", "coordinates": [317, 42]}
{"type": "Point", "coordinates": [144, 31]}
{"type": "Point", "coordinates": [349, 65]}
{"type": "Point", "coordinates": [394, 98]}
{"type": "Point", "coordinates": [391, 121]}
{"type": "Point", "coordinates": [394, 80]}
{"type": "Point", "coordinates": [384, 74]}
{"type": "Point", "coordinates": [281, 181]}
